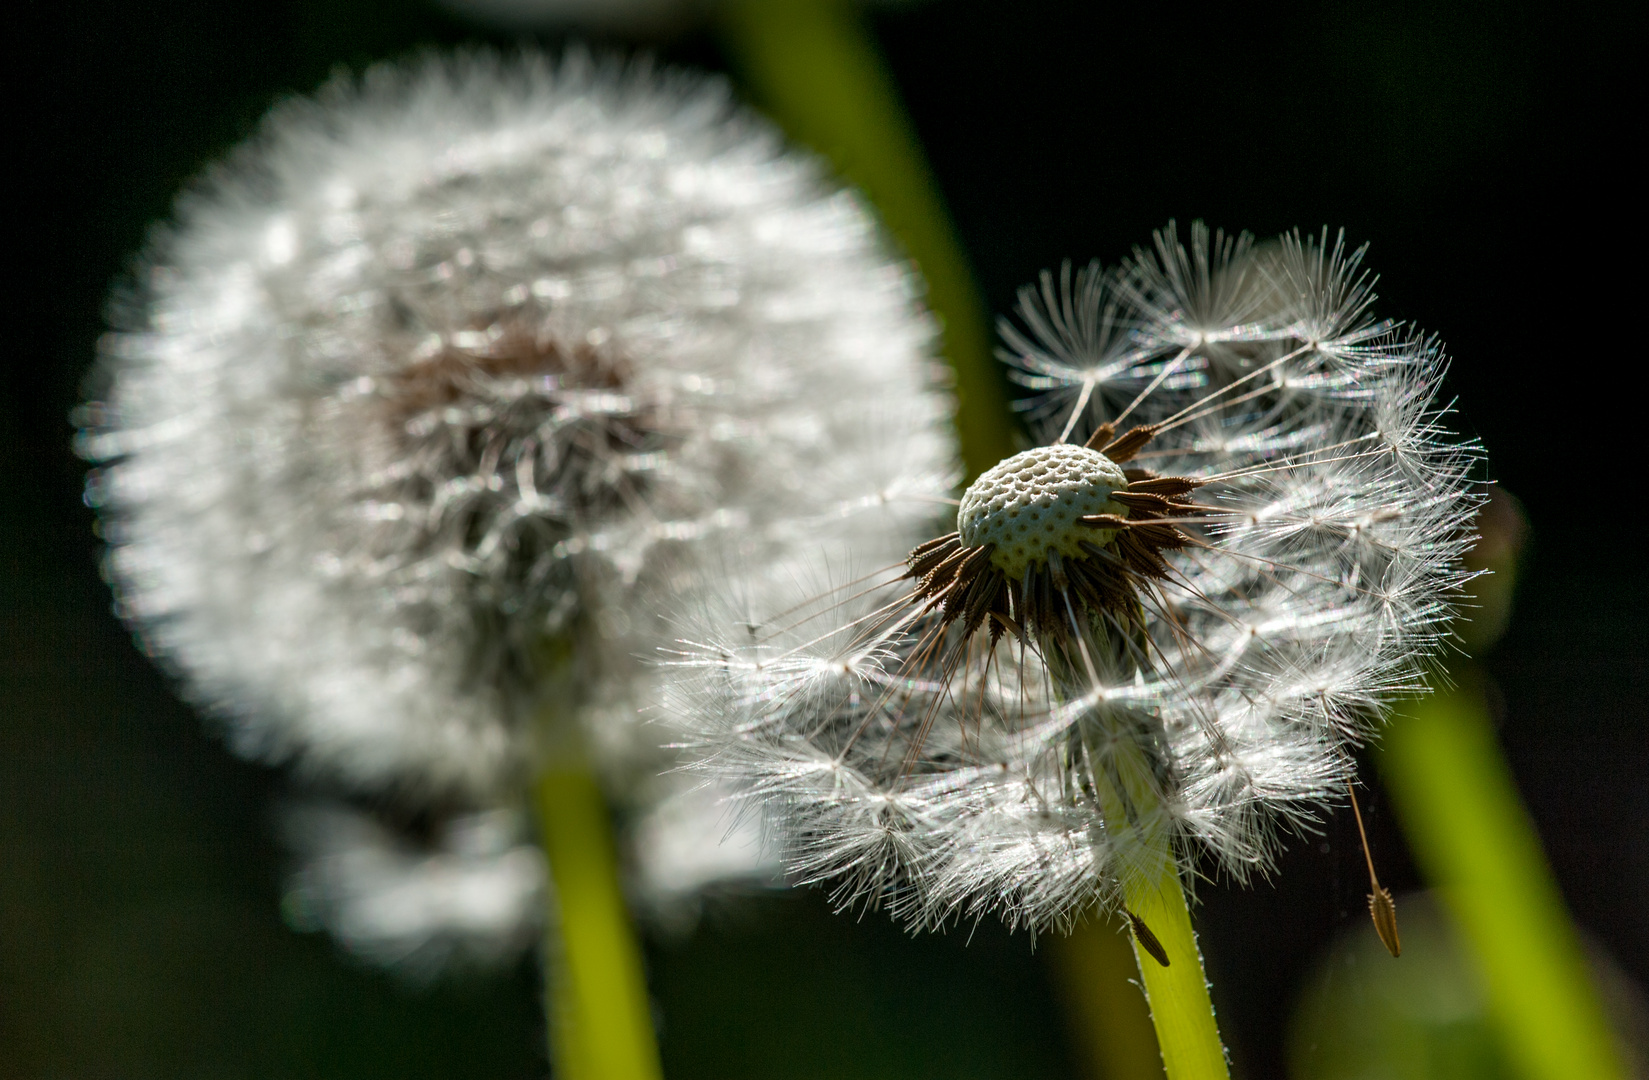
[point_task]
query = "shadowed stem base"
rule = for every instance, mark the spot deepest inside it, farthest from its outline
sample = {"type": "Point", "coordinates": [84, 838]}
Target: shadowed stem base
{"type": "Point", "coordinates": [1110, 1025]}
{"type": "Point", "coordinates": [601, 1025]}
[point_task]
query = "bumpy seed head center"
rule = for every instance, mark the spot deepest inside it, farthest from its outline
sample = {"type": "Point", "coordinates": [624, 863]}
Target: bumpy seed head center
{"type": "Point", "coordinates": [1032, 503]}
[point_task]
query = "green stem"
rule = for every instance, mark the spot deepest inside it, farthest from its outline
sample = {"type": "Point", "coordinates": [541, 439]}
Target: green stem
{"type": "Point", "coordinates": [1474, 841]}
{"type": "Point", "coordinates": [1181, 1010]}
{"type": "Point", "coordinates": [600, 1020]}
{"type": "Point", "coordinates": [1131, 802]}
{"type": "Point", "coordinates": [815, 67]}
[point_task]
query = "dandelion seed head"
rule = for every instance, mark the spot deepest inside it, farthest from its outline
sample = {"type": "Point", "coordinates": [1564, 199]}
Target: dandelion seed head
{"type": "Point", "coordinates": [1269, 552]}
{"type": "Point", "coordinates": [444, 890]}
{"type": "Point", "coordinates": [453, 372]}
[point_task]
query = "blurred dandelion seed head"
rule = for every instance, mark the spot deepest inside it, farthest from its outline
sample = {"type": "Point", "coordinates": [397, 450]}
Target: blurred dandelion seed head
{"type": "Point", "coordinates": [1241, 535]}
{"type": "Point", "coordinates": [469, 356]}
{"type": "Point", "coordinates": [445, 890]}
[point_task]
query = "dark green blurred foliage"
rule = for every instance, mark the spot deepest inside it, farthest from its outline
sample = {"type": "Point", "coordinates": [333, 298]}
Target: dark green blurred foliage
{"type": "Point", "coordinates": [1367, 1018]}
{"type": "Point", "coordinates": [1484, 151]}
{"type": "Point", "coordinates": [1363, 1017]}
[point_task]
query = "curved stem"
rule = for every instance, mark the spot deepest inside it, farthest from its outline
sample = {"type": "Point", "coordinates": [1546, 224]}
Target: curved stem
{"type": "Point", "coordinates": [600, 1021]}
{"type": "Point", "coordinates": [815, 67]}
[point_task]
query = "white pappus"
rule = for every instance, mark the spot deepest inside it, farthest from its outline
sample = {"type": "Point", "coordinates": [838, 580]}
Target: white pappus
{"type": "Point", "coordinates": [1156, 635]}
{"type": "Point", "coordinates": [465, 891]}
{"type": "Point", "coordinates": [432, 408]}
{"type": "Point", "coordinates": [453, 375]}
{"type": "Point", "coordinates": [451, 890]}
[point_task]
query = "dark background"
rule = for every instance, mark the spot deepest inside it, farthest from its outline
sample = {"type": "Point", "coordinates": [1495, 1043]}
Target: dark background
{"type": "Point", "coordinates": [1483, 150]}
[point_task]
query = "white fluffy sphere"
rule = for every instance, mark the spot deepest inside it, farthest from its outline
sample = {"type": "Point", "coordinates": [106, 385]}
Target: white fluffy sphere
{"type": "Point", "coordinates": [470, 355]}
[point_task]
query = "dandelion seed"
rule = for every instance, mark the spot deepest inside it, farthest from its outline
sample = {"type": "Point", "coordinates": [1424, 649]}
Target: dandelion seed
{"type": "Point", "coordinates": [1146, 938]}
{"type": "Point", "coordinates": [1381, 907]}
{"type": "Point", "coordinates": [1150, 637]}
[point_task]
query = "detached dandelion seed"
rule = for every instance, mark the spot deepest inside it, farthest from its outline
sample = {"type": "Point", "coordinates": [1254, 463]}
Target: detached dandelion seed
{"type": "Point", "coordinates": [1382, 909]}
{"type": "Point", "coordinates": [1147, 939]}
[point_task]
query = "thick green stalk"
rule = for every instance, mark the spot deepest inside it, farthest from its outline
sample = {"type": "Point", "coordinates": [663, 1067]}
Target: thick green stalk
{"type": "Point", "coordinates": [600, 1021]}
{"type": "Point", "coordinates": [1181, 1010]}
{"type": "Point", "coordinates": [813, 65]}
{"type": "Point", "coordinates": [1474, 841]}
